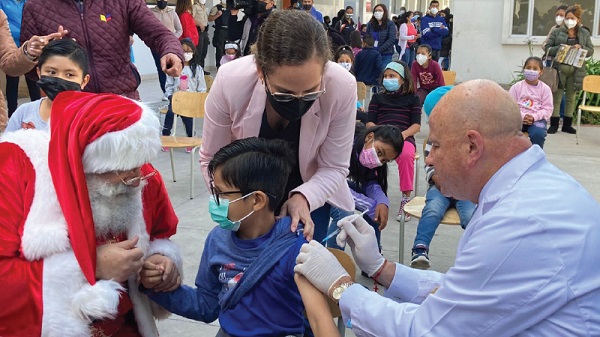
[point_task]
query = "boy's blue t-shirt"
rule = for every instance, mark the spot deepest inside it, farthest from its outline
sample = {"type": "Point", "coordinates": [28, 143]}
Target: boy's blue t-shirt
{"type": "Point", "coordinates": [272, 307]}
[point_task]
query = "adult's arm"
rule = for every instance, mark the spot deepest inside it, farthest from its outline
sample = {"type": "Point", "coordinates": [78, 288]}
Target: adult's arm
{"type": "Point", "coordinates": [426, 31]}
{"type": "Point", "coordinates": [404, 33]}
{"type": "Point", "coordinates": [439, 75]}
{"type": "Point", "coordinates": [154, 34]}
{"type": "Point", "coordinates": [552, 46]}
{"type": "Point", "coordinates": [547, 38]}
{"type": "Point", "coordinates": [505, 298]}
{"type": "Point", "coordinates": [195, 10]}
{"type": "Point", "coordinates": [587, 45]}
{"type": "Point", "coordinates": [22, 279]}
{"type": "Point", "coordinates": [317, 309]}
{"type": "Point", "coordinates": [177, 24]}
{"type": "Point", "coordinates": [442, 32]}
{"type": "Point", "coordinates": [333, 158]}
{"type": "Point", "coordinates": [13, 60]}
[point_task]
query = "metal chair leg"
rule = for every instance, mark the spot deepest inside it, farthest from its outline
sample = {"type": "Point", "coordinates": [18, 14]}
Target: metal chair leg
{"type": "Point", "coordinates": [172, 164]}
{"type": "Point", "coordinates": [401, 239]}
{"type": "Point", "coordinates": [192, 173]}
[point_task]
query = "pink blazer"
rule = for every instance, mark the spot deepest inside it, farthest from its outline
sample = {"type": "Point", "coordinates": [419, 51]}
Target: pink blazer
{"type": "Point", "coordinates": [234, 110]}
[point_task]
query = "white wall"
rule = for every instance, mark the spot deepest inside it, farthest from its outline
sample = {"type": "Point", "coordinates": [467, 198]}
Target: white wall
{"type": "Point", "coordinates": [477, 49]}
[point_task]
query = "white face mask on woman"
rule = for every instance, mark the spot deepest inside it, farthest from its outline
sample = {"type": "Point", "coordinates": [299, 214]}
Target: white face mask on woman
{"type": "Point", "coordinates": [570, 23]}
{"type": "Point", "coordinates": [378, 15]}
{"type": "Point", "coordinates": [559, 20]}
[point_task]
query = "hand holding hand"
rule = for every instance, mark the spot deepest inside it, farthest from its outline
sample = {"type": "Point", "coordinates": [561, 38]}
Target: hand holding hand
{"type": "Point", "coordinates": [118, 261]}
{"type": "Point", "coordinates": [297, 208]}
{"type": "Point", "coordinates": [171, 65]}
{"type": "Point", "coordinates": [160, 274]}
{"type": "Point", "coordinates": [319, 266]}
{"type": "Point", "coordinates": [361, 238]}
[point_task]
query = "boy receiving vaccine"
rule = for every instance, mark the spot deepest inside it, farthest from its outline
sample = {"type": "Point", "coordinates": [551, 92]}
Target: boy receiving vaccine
{"type": "Point", "coordinates": [62, 66]}
{"type": "Point", "coordinates": [246, 274]}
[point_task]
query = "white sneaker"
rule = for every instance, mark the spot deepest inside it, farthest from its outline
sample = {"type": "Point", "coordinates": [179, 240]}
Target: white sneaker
{"type": "Point", "coordinates": [165, 98]}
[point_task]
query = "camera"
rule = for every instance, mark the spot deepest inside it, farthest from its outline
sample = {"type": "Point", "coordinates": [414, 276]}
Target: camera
{"type": "Point", "coordinates": [250, 7]}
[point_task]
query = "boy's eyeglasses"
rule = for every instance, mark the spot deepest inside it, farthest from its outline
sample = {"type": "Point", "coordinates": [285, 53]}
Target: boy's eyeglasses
{"type": "Point", "coordinates": [216, 193]}
{"type": "Point", "coordinates": [285, 97]}
{"type": "Point", "coordinates": [134, 180]}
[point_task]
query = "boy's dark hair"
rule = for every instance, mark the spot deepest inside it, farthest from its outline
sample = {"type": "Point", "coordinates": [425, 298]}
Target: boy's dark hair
{"type": "Point", "coordinates": [369, 40]}
{"type": "Point", "coordinates": [388, 134]}
{"type": "Point", "coordinates": [66, 48]}
{"type": "Point", "coordinates": [535, 59]}
{"type": "Point", "coordinates": [434, 2]}
{"type": "Point", "coordinates": [426, 46]}
{"type": "Point", "coordinates": [408, 86]}
{"type": "Point", "coordinates": [255, 164]}
{"type": "Point", "coordinates": [355, 39]}
{"type": "Point", "coordinates": [562, 7]}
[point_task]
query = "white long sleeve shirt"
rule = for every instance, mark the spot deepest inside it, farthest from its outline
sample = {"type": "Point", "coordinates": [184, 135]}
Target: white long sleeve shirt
{"type": "Point", "coordinates": [195, 83]}
{"type": "Point", "coordinates": [527, 265]}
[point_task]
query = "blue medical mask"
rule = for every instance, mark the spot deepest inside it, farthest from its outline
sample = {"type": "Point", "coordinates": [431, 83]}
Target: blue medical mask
{"type": "Point", "coordinates": [218, 212]}
{"type": "Point", "coordinates": [391, 84]}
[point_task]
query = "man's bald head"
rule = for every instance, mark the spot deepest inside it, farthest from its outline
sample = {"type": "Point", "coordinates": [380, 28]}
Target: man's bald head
{"type": "Point", "coordinates": [480, 105]}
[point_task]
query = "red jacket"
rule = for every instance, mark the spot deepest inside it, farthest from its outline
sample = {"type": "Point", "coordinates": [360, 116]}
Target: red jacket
{"type": "Point", "coordinates": [102, 27]}
{"type": "Point", "coordinates": [189, 28]}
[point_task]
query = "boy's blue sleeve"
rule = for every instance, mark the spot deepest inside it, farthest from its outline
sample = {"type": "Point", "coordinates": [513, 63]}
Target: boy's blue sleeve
{"type": "Point", "coordinates": [293, 253]}
{"type": "Point", "coordinates": [200, 303]}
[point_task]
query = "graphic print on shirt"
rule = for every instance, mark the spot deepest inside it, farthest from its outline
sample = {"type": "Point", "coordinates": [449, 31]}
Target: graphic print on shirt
{"type": "Point", "coordinates": [426, 78]}
{"type": "Point", "coordinates": [229, 276]}
{"type": "Point", "coordinates": [526, 103]}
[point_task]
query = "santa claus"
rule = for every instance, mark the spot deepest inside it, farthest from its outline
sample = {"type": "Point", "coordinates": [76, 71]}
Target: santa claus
{"type": "Point", "coordinates": [81, 211]}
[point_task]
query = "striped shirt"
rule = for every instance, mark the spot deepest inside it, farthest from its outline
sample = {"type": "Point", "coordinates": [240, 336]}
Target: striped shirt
{"type": "Point", "coordinates": [401, 111]}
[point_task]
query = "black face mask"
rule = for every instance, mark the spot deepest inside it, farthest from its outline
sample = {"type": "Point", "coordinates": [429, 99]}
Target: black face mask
{"type": "Point", "coordinates": [53, 86]}
{"type": "Point", "coordinates": [306, 7]}
{"type": "Point", "coordinates": [292, 110]}
{"type": "Point", "coordinates": [161, 4]}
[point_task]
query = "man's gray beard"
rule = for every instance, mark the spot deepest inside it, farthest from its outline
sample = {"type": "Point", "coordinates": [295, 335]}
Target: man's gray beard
{"type": "Point", "coordinates": [115, 207]}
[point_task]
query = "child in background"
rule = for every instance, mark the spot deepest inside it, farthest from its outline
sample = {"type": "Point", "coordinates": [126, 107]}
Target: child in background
{"type": "Point", "coordinates": [344, 57]}
{"type": "Point", "coordinates": [399, 106]}
{"type": "Point", "coordinates": [191, 79]}
{"type": "Point", "coordinates": [426, 72]}
{"type": "Point", "coordinates": [62, 66]}
{"type": "Point", "coordinates": [246, 274]}
{"type": "Point", "coordinates": [232, 52]}
{"type": "Point", "coordinates": [356, 42]}
{"type": "Point", "coordinates": [535, 101]}
{"type": "Point", "coordinates": [373, 149]}
{"type": "Point", "coordinates": [367, 64]}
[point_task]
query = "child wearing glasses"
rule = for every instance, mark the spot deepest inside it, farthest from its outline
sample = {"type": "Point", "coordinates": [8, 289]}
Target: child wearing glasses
{"type": "Point", "coordinates": [246, 274]}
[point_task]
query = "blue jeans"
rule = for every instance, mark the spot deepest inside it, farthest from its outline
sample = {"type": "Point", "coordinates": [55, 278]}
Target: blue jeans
{"type": "Point", "coordinates": [436, 205]}
{"type": "Point", "coordinates": [162, 77]}
{"type": "Point", "coordinates": [169, 119]}
{"type": "Point", "coordinates": [537, 132]}
{"type": "Point", "coordinates": [409, 56]}
{"type": "Point", "coordinates": [385, 59]}
{"type": "Point", "coordinates": [320, 218]}
{"type": "Point", "coordinates": [336, 215]}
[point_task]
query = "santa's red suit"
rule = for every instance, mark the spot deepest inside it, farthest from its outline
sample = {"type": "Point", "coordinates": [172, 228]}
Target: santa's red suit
{"type": "Point", "coordinates": [47, 250]}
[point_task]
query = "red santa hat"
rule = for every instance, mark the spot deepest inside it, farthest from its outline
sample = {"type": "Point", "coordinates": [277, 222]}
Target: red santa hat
{"type": "Point", "coordinates": [95, 133]}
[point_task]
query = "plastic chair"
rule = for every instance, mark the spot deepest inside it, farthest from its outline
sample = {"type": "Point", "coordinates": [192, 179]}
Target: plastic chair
{"type": "Point", "coordinates": [209, 82]}
{"type": "Point", "coordinates": [449, 77]}
{"type": "Point", "coordinates": [591, 84]}
{"type": "Point", "coordinates": [361, 92]}
{"type": "Point", "coordinates": [186, 104]}
{"type": "Point", "coordinates": [348, 264]}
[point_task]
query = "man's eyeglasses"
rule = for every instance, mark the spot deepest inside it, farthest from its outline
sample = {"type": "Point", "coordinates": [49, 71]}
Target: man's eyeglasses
{"type": "Point", "coordinates": [134, 180]}
{"type": "Point", "coordinates": [285, 97]}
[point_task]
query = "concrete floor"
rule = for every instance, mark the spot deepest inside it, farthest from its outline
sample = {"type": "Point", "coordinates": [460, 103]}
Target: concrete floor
{"type": "Point", "coordinates": [580, 161]}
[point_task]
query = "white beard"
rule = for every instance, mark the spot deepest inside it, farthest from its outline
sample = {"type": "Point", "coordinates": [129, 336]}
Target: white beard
{"type": "Point", "coordinates": [116, 209]}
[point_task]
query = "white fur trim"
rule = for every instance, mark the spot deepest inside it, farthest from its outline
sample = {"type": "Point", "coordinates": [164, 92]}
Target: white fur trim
{"type": "Point", "coordinates": [70, 303]}
{"type": "Point", "coordinates": [169, 249]}
{"type": "Point", "coordinates": [126, 149]}
{"type": "Point", "coordinates": [142, 310]}
{"type": "Point", "coordinates": [45, 231]}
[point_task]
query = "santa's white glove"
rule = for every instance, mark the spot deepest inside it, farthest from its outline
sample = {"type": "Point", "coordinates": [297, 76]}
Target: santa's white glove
{"type": "Point", "coordinates": [361, 238]}
{"type": "Point", "coordinates": [319, 266]}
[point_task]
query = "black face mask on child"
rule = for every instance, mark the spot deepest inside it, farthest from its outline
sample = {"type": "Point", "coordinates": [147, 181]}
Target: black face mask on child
{"type": "Point", "coordinates": [161, 4]}
{"type": "Point", "coordinates": [53, 86]}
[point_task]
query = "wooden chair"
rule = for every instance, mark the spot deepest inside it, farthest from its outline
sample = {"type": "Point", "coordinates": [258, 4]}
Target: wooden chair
{"type": "Point", "coordinates": [591, 84]}
{"type": "Point", "coordinates": [186, 104]}
{"type": "Point", "coordinates": [361, 92]}
{"type": "Point", "coordinates": [209, 82]}
{"type": "Point", "coordinates": [415, 208]}
{"type": "Point", "coordinates": [348, 264]}
{"type": "Point", "coordinates": [449, 77]}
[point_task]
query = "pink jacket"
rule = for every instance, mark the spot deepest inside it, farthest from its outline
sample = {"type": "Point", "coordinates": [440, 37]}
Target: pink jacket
{"type": "Point", "coordinates": [234, 110]}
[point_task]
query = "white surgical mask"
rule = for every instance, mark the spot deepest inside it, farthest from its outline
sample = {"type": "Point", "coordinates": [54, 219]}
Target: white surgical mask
{"type": "Point", "coordinates": [433, 11]}
{"type": "Point", "coordinates": [421, 59]}
{"type": "Point", "coordinates": [570, 23]}
{"type": "Point", "coordinates": [402, 12]}
{"type": "Point", "coordinates": [348, 16]}
{"type": "Point", "coordinates": [346, 65]}
{"type": "Point", "coordinates": [188, 56]}
{"type": "Point", "coordinates": [559, 20]}
{"type": "Point", "coordinates": [378, 15]}
{"type": "Point", "coordinates": [202, 2]}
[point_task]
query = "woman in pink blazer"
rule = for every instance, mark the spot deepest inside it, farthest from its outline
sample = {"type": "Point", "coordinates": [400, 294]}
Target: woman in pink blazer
{"type": "Point", "coordinates": [290, 90]}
